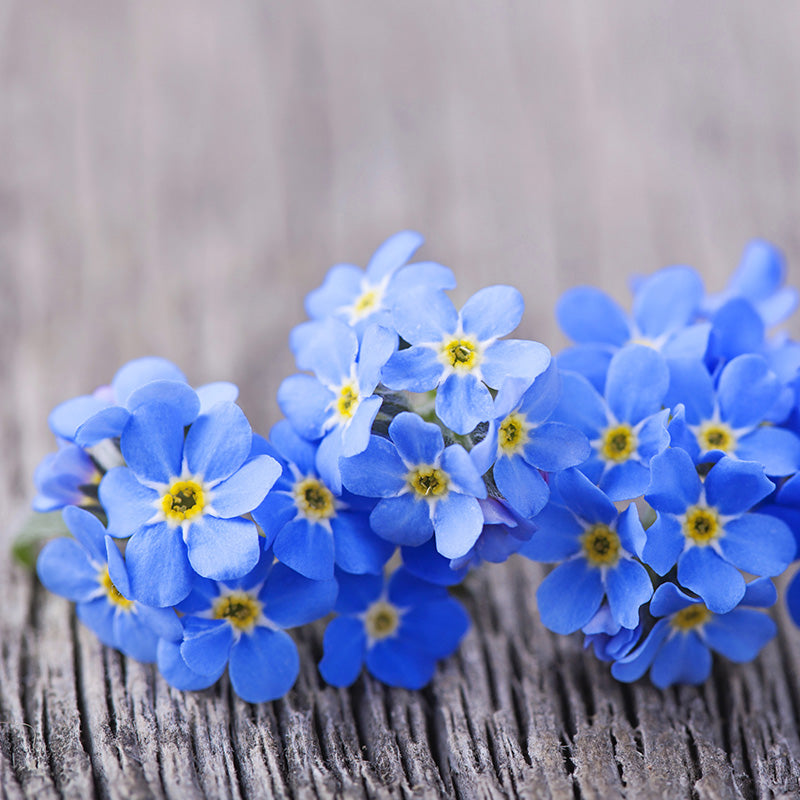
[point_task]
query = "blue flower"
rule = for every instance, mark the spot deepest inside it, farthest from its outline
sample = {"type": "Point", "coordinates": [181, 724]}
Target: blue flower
{"type": "Point", "coordinates": [241, 624]}
{"type": "Point", "coordinates": [361, 298]}
{"type": "Point", "coordinates": [181, 499]}
{"type": "Point", "coordinates": [399, 630]}
{"type": "Point", "coordinates": [426, 488]}
{"type": "Point", "coordinates": [67, 477]}
{"type": "Point", "coordinates": [90, 570]}
{"type": "Point", "coordinates": [595, 548]}
{"type": "Point", "coordinates": [708, 529]}
{"type": "Point", "coordinates": [338, 403]}
{"type": "Point", "coordinates": [610, 640]}
{"type": "Point", "coordinates": [521, 441]}
{"type": "Point", "coordinates": [462, 354]}
{"type": "Point", "coordinates": [627, 427]}
{"type": "Point", "coordinates": [727, 419]}
{"type": "Point", "coordinates": [89, 419]}
{"type": "Point", "coordinates": [678, 648]}
{"type": "Point", "coordinates": [309, 525]}
{"type": "Point", "coordinates": [760, 280]}
{"type": "Point", "coordinates": [665, 309]}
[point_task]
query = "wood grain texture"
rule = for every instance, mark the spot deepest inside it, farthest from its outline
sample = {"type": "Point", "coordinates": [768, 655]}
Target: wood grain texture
{"type": "Point", "coordinates": [177, 175]}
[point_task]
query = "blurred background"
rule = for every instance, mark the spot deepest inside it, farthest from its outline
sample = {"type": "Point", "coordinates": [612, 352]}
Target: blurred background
{"type": "Point", "coordinates": [176, 176]}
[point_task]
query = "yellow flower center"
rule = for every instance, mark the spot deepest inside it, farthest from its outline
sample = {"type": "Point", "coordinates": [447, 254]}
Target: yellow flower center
{"type": "Point", "coordinates": [314, 500]}
{"type": "Point", "coordinates": [701, 525]}
{"type": "Point", "coordinates": [716, 436]}
{"type": "Point", "coordinates": [381, 620]}
{"type": "Point", "coordinates": [428, 481]}
{"type": "Point", "coordinates": [366, 303]}
{"type": "Point", "coordinates": [461, 354]}
{"type": "Point", "coordinates": [347, 402]}
{"type": "Point", "coordinates": [601, 546]}
{"type": "Point", "coordinates": [618, 443]}
{"type": "Point", "coordinates": [691, 617]}
{"type": "Point", "coordinates": [184, 500]}
{"type": "Point", "coordinates": [114, 595]}
{"type": "Point", "coordinates": [513, 433]}
{"type": "Point", "coordinates": [241, 609]}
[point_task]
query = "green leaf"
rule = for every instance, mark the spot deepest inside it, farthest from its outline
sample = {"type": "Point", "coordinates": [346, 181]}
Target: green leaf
{"type": "Point", "coordinates": [35, 533]}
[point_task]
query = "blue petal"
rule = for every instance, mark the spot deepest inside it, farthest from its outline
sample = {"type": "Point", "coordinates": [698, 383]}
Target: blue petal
{"type": "Point", "coordinates": [305, 402]}
{"type": "Point", "coordinates": [718, 583]}
{"type": "Point", "coordinates": [690, 342]}
{"type": "Point", "coordinates": [513, 358]}
{"type": "Point", "coordinates": [683, 659]}
{"type": "Point", "coordinates": [392, 254]}
{"type": "Point", "coordinates": [98, 615]}
{"type": "Point", "coordinates": [355, 437]}
{"type": "Point", "coordinates": [163, 622]}
{"type": "Point", "coordinates": [356, 592]}
{"type": "Point", "coordinates": [290, 599]}
{"type": "Point", "coordinates": [665, 542]}
{"type": "Point", "coordinates": [632, 666]}
{"type": "Point", "coordinates": [134, 638]}
{"type": "Point", "coordinates": [222, 549]}
{"type": "Point", "coordinates": [521, 485]}
{"type": "Point", "coordinates": [377, 346]}
{"type": "Point", "coordinates": [416, 369]}
{"type": "Point", "coordinates": [292, 447]}
{"type": "Point", "coordinates": [127, 502]}
{"type": "Point", "coordinates": [141, 371]}
{"type": "Point", "coordinates": [67, 417]}
{"type": "Point", "coordinates": [554, 446]}
{"type": "Point", "coordinates": [405, 590]}
{"type": "Point", "coordinates": [776, 448]}
{"type": "Point", "coordinates": [402, 520]}
{"type": "Point", "coordinates": [64, 569]}
{"type": "Point", "coordinates": [246, 488]}
{"type": "Point", "coordinates": [492, 312]}
{"type": "Point", "coordinates": [158, 567]}
{"type": "Point", "coordinates": [458, 522]}
{"type": "Point", "coordinates": [397, 662]}
{"type": "Point", "coordinates": [206, 644]}
{"type": "Point", "coordinates": [423, 316]}
{"type": "Point", "coordinates": [175, 672]}
{"type": "Point", "coordinates": [377, 472]}
{"type": "Point", "coordinates": [331, 352]}
{"type": "Point", "coordinates": [556, 537]}
{"type": "Point", "coordinates": [423, 274]}
{"type": "Point", "coordinates": [760, 593]}
{"type": "Point", "coordinates": [306, 547]}
{"type": "Point", "coordinates": [736, 486]}
{"type": "Point", "coordinates": [463, 402]}
{"type": "Point", "coordinates": [740, 634]}
{"type": "Point", "coordinates": [276, 511]}
{"type": "Point", "coordinates": [217, 392]}
{"type": "Point", "coordinates": [747, 390]}
{"type": "Point", "coordinates": [540, 399]}
{"type": "Point", "coordinates": [328, 458]}
{"type": "Point", "coordinates": [152, 442]}
{"type": "Point", "coordinates": [625, 481]}
{"type": "Point", "coordinates": [793, 598]}
{"type": "Point", "coordinates": [105, 424]}
{"type": "Point", "coordinates": [636, 383]}
{"type": "Point", "coordinates": [586, 314]}
{"type": "Point", "coordinates": [653, 435]}
{"type": "Point", "coordinates": [669, 599]}
{"type": "Point", "coordinates": [584, 498]}
{"type": "Point", "coordinates": [117, 570]}
{"type": "Point", "coordinates": [631, 533]}
{"type": "Point", "coordinates": [218, 442]}
{"type": "Point", "coordinates": [344, 645]}
{"type": "Point", "coordinates": [736, 329]}
{"type": "Point", "coordinates": [418, 442]}
{"type": "Point", "coordinates": [179, 396]}
{"type": "Point", "coordinates": [674, 484]}
{"type": "Point", "coordinates": [342, 285]}
{"type": "Point", "coordinates": [760, 544]}
{"type": "Point", "coordinates": [464, 478]}
{"type": "Point", "coordinates": [436, 628]}
{"type": "Point", "coordinates": [668, 300]}
{"type": "Point", "coordinates": [357, 548]}
{"type": "Point", "coordinates": [628, 586]}
{"type": "Point", "coordinates": [691, 386]}
{"type": "Point", "coordinates": [588, 360]}
{"type": "Point", "coordinates": [581, 406]}
{"type": "Point", "coordinates": [569, 596]}
{"type": "Point", "coordinates": [88, 530]}
{"type": "Point", "coordinates": [426, 563]}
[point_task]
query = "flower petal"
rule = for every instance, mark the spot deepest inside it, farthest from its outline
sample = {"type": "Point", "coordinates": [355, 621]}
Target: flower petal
{"type": "Point", "coordinates": [246, 488]}
{"type": "Point", "coordinates": [222, 549]}
{"type": "Point", "coordinates": [718, 583]}
{"type": "Point", "coordinates": [152, 442]}
{"type": "Point", "coordinates": [64, 569]}
{"type": "Point", "coordinates": [458, 522]}
{"type": "Point", "coordinates": [402, 520]}
{"type": "Point", "coordinates": [158, 566]}
{"type": "Point", "coordinates": [127, 502]}
{"type": "Point", "coordinates": [760, 544]}
{"type": "Point", "coordinates": [463, 402]}
{"type": "Point", "coordinates": [521, 484]}
{"type": "Point", "coordinates": [290, 599]}
{"type": "Point", "coordinates": [418, 442]}
{"type": "Point", "coordinates": [492, 312]}
{"type": "Point", "coordinates": [586, 314]}
{"type": "Point", "coordinates": [513, 358]}
{"type": "Point", "coordinates": [218, 442]}
{"type": "Point", "coordinates": [306, 547]}
{"type": "Point", "coordinates": [636, 383]}
{"type": "Point", "coordinates": [344, 646]}
{"type": "Point", "coordinates": [739, 635]}
{"type": "Point", "coordinates": [628, 586]}
{"type": "Point", "coordinates": [736, 486]}
{"type": "Point", "coordinates": [569, 596]}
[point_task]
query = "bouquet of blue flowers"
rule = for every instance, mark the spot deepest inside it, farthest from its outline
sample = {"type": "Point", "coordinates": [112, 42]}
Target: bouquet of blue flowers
{"type": "Point", "coordinates": [654, 465]}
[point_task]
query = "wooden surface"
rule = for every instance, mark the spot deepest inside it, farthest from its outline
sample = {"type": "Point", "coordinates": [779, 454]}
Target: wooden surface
{"type": "Point", "coordinates": [177, 175]}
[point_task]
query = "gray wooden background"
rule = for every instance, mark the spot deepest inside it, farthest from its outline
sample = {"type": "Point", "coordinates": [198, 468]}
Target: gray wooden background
{"type": "Point", "coordinates": [175, 176]}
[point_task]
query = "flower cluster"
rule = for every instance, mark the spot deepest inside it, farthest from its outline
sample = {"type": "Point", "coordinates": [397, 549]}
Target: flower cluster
{"type": "Point", "coordinates": [654, 466]}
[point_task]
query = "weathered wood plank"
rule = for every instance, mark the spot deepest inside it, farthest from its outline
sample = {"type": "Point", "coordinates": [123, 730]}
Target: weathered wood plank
{"type": "Point", "coordinates": [176, 176]}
